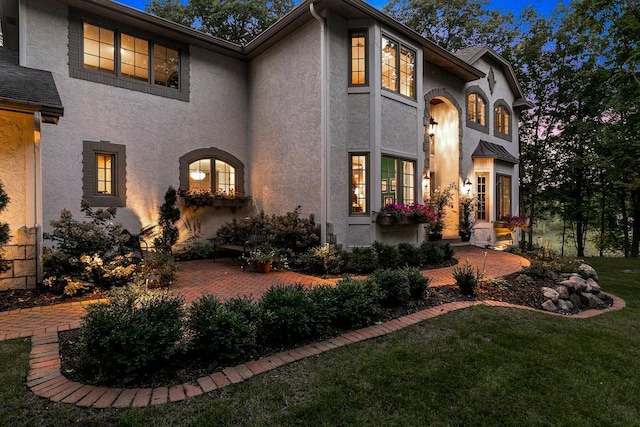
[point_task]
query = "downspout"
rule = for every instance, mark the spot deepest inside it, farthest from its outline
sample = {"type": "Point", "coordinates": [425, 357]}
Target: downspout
{"type": "Point", "coordinates": [37, 185]}
{"type": "Point", "coordinates": [324, 161]}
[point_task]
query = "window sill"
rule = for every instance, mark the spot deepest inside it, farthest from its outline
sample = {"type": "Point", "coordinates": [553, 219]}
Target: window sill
{"type": "Point", "coordinates": [400, 98]}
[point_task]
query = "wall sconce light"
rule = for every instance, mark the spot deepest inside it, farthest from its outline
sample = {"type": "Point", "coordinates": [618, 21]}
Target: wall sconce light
{"type": "Point", "coordinates": [433, 125]}
{"type": "Point", "coordinates": [467, 182]}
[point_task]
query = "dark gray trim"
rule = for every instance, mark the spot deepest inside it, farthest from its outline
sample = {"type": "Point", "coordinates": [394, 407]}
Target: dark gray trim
{"type": "Point", "coordinates": [366, 56]}
{"type": "Point", "coordinates": [77, 70]}
{"type": "Point", "coordinates": [499, 175]}
{"type": "Point", "coordinates": [89, 177]}
{"type": "Point", "coordinates": [211, 153]}
{"type": "Point", "coordinates": [471, 124]}
{"type": "Point", "coordinates": [506, 136]}
{"type": "Point", "coordinates": [415, 67]}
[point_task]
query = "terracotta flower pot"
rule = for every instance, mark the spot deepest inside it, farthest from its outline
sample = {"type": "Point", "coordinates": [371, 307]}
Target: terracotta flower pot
{"type": "Point", "coordinates": [263, 267]}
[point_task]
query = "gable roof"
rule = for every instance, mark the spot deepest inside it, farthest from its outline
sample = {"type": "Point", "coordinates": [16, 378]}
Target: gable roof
{"type": "Point", "coordinates": [490, 150]}
{"type": "Point", "coordinates": [474, 53]}
{"type": "Point", "coordinates": [28, 89]}
{"type": "Point", "coordinates": [349, 9]}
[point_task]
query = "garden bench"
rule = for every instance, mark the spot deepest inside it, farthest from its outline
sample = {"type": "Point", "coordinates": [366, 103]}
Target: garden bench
{"type": "Point", "coordinates": [244, 250]}
{"type": "Point", "coordinates": [135, 243]}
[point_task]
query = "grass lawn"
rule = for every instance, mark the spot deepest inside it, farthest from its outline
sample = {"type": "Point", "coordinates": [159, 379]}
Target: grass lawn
{"type": "Point", "coordinates": [479, 366]}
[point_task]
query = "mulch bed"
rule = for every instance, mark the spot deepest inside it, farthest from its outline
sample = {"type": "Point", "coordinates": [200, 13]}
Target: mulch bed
{"type": "Point", "coordinates": [28, 298]}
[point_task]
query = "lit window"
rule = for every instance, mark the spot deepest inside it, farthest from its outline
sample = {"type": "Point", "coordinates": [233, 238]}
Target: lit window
{"type": "Point", "coordinates": [103, 50]}
{"type": "Point", "coordinates": [503, 194]}
{"type": "Point", "coordinates": [358, 184]}
{"type": "Point", "coordinates": [476, 109]}
{"type": "Point", "coordinates": [481, 193]}
{"type": "Point", "coordinates": [398, 181]}
{"type": "Point", "coordinates": [166, 66]}
{"type": "Point", "coordinates": [104, 171]}
{"type": "Point", "coordinates": [134, 57]}
{"type": "Point", "coordinates": [104, 174]}
{"type": "Point", "coordinates": [358, 58]}
{"type": "Point", "coordinates": [99, 48]}
{"type": "Point", "coordinates": [201, 177]}
{"type": "Point", "coordinates": [501, 120]}
{"type": "Point", "coordinates": [398, 63]}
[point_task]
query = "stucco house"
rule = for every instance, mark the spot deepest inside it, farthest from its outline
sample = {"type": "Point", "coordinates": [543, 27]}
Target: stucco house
{"type": "Point", "coordinates": [331, 108]}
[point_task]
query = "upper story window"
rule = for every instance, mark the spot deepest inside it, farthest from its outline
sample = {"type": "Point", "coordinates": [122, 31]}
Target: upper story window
{"type": "Point", "coordinates": [103, 50]}
{"type": "Point", "coordinates": [398, 68]}
{"type": "Point", "coordinates": [358, 58]}
{"type": "Point", "coordinates": [128, 57]}
{"type": "Point", "coordinates": [476, 109]}
{"type": "Point", "coordinates": [502, 121]}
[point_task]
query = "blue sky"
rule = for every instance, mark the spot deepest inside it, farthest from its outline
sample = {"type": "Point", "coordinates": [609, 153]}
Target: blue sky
{"type": "Point", "coordinates": [542, 6]}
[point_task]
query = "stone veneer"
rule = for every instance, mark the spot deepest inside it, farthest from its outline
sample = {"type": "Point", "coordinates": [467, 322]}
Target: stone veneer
{"type": "Point", "coordinates": [22, 261]}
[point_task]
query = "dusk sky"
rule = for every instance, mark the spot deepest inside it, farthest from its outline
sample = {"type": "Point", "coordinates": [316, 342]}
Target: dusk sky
{"type": "Point", "coordinates": [515, 6]}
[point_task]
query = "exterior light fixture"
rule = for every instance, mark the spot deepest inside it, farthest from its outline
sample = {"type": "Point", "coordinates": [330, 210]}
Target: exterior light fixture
{"type": "Point", "coordinates": [467, 182]}
{"type": "Point", "coordinates": [433, 125]}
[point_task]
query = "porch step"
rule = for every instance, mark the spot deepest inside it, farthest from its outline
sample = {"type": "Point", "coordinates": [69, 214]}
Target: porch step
{"type": "Point", "coordinates": [456, 242]}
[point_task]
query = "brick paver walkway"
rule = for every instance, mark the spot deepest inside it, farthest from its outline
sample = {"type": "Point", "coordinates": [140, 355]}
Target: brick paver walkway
{"type": "Point", "coordinates": [226, 280]}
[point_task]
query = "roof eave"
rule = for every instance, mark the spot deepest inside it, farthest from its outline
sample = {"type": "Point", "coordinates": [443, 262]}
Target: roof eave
{"type": "Point", "coordinates": [50, 113]}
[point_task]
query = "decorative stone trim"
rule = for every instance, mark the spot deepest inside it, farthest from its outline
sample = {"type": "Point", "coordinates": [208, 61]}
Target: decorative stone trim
{"type": "Point", "coordinates": [21, 259]}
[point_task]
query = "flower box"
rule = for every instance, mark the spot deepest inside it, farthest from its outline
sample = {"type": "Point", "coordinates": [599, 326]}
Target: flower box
{"type": "Point", "coordinates": [205, 198]}
{"type": "Point", "coordinates": [387, 220]}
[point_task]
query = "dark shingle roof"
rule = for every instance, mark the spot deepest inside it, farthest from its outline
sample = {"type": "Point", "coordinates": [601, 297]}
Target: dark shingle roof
{"type": "Point", "coordinates": [28, 86]}
{"type": "Point", "coordinates": [494, 151]}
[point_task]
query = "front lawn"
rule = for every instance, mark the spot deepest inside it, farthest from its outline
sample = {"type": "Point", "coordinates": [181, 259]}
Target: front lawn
{"type": "Point", "coordinates": [479, 366]}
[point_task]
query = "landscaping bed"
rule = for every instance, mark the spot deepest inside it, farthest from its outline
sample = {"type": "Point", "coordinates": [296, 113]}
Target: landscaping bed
{"type": "Point", "coordinates": [511, 289]}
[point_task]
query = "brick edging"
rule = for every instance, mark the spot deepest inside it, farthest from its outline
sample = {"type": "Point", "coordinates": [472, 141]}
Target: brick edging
{"type": "Point", "coordinates": [46, 380]}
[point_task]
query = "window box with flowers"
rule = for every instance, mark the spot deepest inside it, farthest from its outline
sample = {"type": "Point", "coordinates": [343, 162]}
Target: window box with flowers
{"type": "Point", "coordinates": [511, 222]}
{"type": "Point", "coordinates": [400, 214]}
{"type": "Point", "coordinates": [199, 198]}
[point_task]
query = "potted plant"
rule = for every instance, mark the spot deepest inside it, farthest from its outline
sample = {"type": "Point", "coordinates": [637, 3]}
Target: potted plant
{"type": "Point", "coordinates": [442, 198]}
{"type": "Point", "coordinates": [467, 210]}
{"type": "Point", "coordinates": [262, 256]}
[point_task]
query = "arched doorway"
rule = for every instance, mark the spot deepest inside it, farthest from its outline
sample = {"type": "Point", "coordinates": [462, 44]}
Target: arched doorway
{"type": "Point", "coordinates": [443, 152]}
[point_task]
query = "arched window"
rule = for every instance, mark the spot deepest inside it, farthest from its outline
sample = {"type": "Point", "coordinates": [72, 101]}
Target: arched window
{"type": "Point", "coordinates": [476, 109]}
{"type": "Point", "coordinates": [211, 169]}
{"type": "Point", "coordinates": [502, 120]}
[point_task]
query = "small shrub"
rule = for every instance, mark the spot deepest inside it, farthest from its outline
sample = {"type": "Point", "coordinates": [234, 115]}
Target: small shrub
{"type": "Point", "coordinates": [323, 300]}
{"type": "Point", "coordinates": [286, 315]}
{"type": "Point", "coordinates": [394, 286]}
{"type": "Point", "coordinates": [356, 303]}
{"type": "Point", "coordinates": [161, 264]}
{"type": "Point", "coordinates": [134, 332]}
{"type": "Point", "coordinates": [223, 331]}
{"type": "Point", "coordinates": [523, 279]}
{"type": "Point", "coordinates": [362, 260]}
{"type": "Point", "coordinates": [4, 229]}
{"type": "Point", "coordinates": [467, 279]}
{"type": "Point", "coordinates": [417, 282]}
{"type": "Point", "coordinates": [431, 253]}
{"type": "Point", "coordinates": [388, 255]}
{"type": "Point", "coordinates": [331, 259]}
{"type": "Point", "coordinates": [409, 255]}
{"type": "Point", "coordinates": [169, 215]}
{"type": "Point", "coordinates": [196, 250]}
{"type": "Point", "coordinates": [541, 271]}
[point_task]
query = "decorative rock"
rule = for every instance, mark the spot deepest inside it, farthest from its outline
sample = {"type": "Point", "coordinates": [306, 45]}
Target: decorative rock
{"type": "Point", "coordinates": [591, 300]}
{"type": "Point", "coordinates": [565, 306]}
{"type": "Point", "coordinates": [576, 300]}
{"type": "Point", "coordinates": [593, 286]}
{"type": "Point", "coordinates": [589, 271]}
{"type": "Point", "coordinates": [551, 294]}
{"type": "Point", "coordinates": [549, 306]}
{"type": "Point", "coordinates": [563, 291]}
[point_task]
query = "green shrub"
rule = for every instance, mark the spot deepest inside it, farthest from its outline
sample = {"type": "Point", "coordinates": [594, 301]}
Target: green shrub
{"type": "Point", "coordinates": [356, 303]}
{"type": "Point", "coordinates": [409, 255]}
{"type": "Point", "coordinates": [431, 253]}
{"type": "Point", "coordinates": [160, 264]}
{"type": "Point", "coordinates": [467, 279]}
{"type": "Point", "coordinates": [169, 215]}
{"type": "Point", "coordinates": [195, 250]}
{"type": "Point", "coordinates": [541, 271]}
{"type": "Point", "coordinates": [417, 282]}
{"type": "Point", "coordinates": [222, 331]}
{"type": "Point", "coordinates": [388, 255]}
{"type": "Point", "coordinates": [4, 229]}
{"type": "Point", "coordinates": [134, 332]}
{"type": "Point", "coordinates": [323, 300]}
{"type": "Point", "coordinates": [394, 287]}
{"type": "Point", "coordinates": [286, 315]}
{"type": "Point", "coordinates": [362, 260]}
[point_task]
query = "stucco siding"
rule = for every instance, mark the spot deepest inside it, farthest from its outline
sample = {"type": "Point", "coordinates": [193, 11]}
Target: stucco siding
{"type": "Point", "coordinates": [359, 125]}
{"type": "Point", "coordinates": [155, 130]}
{"type": "Point", "coordinates": [399, 132]}
{"type": "Point", "coordinates": [285, 129]}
